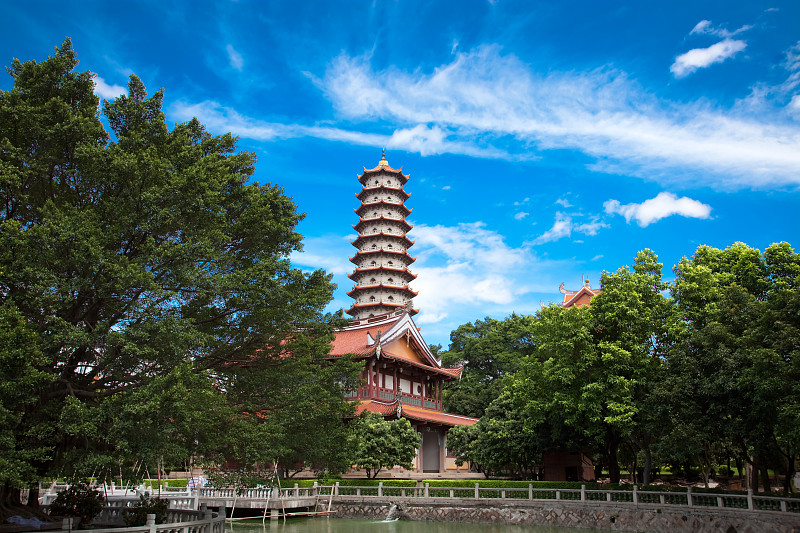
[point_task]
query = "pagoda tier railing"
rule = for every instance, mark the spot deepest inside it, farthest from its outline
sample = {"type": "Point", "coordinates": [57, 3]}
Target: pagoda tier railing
{"type": "Point", "coordinates": [384, 394]}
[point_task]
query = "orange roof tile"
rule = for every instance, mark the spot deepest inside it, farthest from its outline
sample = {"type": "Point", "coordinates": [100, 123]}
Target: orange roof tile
{"type": "Point", "coordinates": [414, 413]}
{"type": "Point", "coordinates": [440, 417]}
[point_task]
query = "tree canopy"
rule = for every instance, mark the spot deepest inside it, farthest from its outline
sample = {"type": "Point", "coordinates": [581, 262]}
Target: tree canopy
{"type": "Point", "coordinates": [144, 279]}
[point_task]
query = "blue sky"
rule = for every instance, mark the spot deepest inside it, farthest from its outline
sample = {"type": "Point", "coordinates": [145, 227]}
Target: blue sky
{"type": "Point", "coordinates": [546, 141]}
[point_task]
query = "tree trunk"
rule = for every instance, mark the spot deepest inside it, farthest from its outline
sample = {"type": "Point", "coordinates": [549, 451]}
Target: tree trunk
{"type": "Point", "coordinates": [33, 497]}
{"type": "Point", "coordinates": [611, 456]}
{"type": "Point", "coordinates": [788, 486]}
{"type": "Point", "coordinates": [648, 466]}
{"type": "Point", "coordinates": [765, 477]}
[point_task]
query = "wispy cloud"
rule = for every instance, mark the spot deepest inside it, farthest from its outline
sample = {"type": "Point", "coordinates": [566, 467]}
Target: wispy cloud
{"type": "Point", "coordinates": [564, 203]}
{"type": "Point", "coordinates": [699, 58]}
{"type": "Point", "coordinates": [564, 227]}
{"type": "Point", "coordinates": [489, 105]}
{"type": "Point", "coordinates": [486, 97]}
{"type": "Point", "coordinates": [421, 138]}
{"type": "Point", "coordinates": [235, 58]}
{"type": "Point", "coordinates": [706, 27]}
{"type": "Point", "coordinates": [104, 90]}
{"type": "Point", "coordinates": [521, 215]}
{"type": "Point", "coordinates": [664, 205]}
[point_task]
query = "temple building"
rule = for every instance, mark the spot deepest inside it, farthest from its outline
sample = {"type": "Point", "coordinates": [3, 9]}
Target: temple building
{"type": "Point", "coordinates": [579, 298]}
{"type": "Point", "coordinates": [401, 376]}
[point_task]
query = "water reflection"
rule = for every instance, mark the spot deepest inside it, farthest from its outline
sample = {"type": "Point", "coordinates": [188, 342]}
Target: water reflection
{"type": "Point", "coordinates": [342, 525]}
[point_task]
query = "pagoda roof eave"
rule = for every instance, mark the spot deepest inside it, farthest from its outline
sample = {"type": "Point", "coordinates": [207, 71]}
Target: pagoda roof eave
{"type": "Point", "coordinates": [399, 288]}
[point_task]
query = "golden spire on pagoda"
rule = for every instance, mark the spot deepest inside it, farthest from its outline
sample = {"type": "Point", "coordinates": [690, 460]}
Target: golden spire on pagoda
{"type": "Point", "coordinates": [383, 162]}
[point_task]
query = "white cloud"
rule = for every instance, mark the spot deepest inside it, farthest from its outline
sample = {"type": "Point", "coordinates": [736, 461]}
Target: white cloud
{"type": "Point", "coordinates": [104, 90]}
{"type": "Point", "coordinates": [484, 104]}
{"type": "Point", "coordinates": [697, 58]}
{"type": "Point", "coordinates": [664, 205]}
{"type": "Point", "coordinates": [470, 265]}
{"type": "Point", "coordinates": [421, 138]}
{"type": "Point", "coordinates": [564, 227]}
{"type": "Point", "coordinates": [521, 215]}
{"type": "Point", "coordinates": [523, 202]}
{"type": "Point", "coordinates": [706, 27]}
{"type": "Point", "coordinates": [235, 58]}
{"type": "Point", "coordinates": [446, 188]}
{"type": "Point", "coordinates": [484, 97]}
{"type": "Point", "coordinates": [564, 202]}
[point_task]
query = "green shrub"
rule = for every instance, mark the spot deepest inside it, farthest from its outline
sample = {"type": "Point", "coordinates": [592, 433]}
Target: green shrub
{"type": "Point", "coordinates": [137, 515]}
{"type": "Point", "coordinates": [78, 500]}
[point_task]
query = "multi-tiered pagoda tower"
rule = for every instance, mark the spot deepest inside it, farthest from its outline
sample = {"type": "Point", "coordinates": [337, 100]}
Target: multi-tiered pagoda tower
{"type": "Point", "coordinates": [381, 275]}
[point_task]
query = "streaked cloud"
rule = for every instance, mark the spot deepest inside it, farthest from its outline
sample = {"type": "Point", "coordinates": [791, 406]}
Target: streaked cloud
{"type": "Point", "coordinates": [489, 98]}
{"type": "Point", "coordinates": [521, 215]}
{"type": "Point", "coordinates": [664, 205]}
{"type": "Point", "coordinates": [707, 28]}
{"type": "Point", "coordinates": [699, 58]}
{"type": "Point", "coordinates": [235, 58]}
{"type": "Point", "coordinates": [421, 139]}
{"type": "Point", "coordinates": [104, 90]}
{"type": "Point", "coordinates": [564, 226]}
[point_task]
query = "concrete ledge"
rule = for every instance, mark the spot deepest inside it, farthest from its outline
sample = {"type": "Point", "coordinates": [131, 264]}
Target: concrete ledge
{"type": "Point", "coordinates": [612, 516]}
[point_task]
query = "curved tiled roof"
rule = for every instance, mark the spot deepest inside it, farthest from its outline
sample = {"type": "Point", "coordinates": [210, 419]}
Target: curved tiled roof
{"type": "Point", "coordinates": [368, 189]}
{"type": "Point", "coordinates": [365, 221]}
{"type": "Point", "coordinates": [414, 413]}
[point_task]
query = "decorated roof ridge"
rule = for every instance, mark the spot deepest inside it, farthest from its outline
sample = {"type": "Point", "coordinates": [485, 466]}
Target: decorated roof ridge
{"type": "Point", "coordinates": [365, 190]}
{"type": "Point", "coordinates": [367, 236]}
{"type": "Point", "coordinates": [454, 373]}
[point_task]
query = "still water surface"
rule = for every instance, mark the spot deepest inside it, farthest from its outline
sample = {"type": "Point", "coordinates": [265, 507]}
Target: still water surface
{"type": "Point", "coordinates": [344, 525]}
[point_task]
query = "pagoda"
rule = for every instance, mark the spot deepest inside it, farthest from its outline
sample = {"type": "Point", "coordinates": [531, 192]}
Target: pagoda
{"type": "Point", "coordinates": [381, 276]}
{"type": "Point", "coordinates": [401, 376]}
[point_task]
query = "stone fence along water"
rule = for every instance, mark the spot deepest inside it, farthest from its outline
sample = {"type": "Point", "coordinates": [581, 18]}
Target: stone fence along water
{"type": "Point", "coordinates": [619, 510]}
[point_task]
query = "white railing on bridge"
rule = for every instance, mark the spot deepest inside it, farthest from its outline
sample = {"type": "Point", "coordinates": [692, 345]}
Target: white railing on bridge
{"type": "Point", "coordinates": [177, 521]}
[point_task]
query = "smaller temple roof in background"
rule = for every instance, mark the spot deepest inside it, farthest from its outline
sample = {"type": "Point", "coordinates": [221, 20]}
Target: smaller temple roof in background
{"type": "Point", "coordinates": [580, 297]}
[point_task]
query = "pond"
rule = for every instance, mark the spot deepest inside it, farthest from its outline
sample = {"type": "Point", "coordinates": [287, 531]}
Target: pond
{"type": "Point", "coordinates": [344, 525]}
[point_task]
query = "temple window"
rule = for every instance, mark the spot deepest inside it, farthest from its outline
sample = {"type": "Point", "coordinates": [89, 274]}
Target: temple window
{"type": "Point", "coordinates": [390, 298]}
{"type": "Point", "coordinates": [390, 263]}
{"type": "Point", "coordinates": [374, 246]}
{"type": "Point", "coordinates": [371, 298]}
{"type": "Point", "coordinates": [390, 280]}
{"type": "Point", "coordinates": [372, 280]}
{"type": "Point", "coordinates": [373, 263]}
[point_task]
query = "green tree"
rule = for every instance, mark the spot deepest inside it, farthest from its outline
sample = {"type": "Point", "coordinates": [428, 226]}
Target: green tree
{"type": "Point", "coordinates": [140, 255]}
{"type": "Point", "coordinates": [594, 366]}
{"type": "Point", "coordinates": [488, 349]}
{"type": "Point", "coordinates": [734, 370]}
{"type": "Point", "coordinates": [383, 443]}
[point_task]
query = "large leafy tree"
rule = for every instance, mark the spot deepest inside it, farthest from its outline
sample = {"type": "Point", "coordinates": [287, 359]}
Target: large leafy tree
{"type": "Point", "coordinates": [136, 255]}
{"type": "Point", "coordinates": [733, 375]}
{"type": "Point", "coordinates": [488, 349]}
{"type": "Point", "coordinates": [593, 367]}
